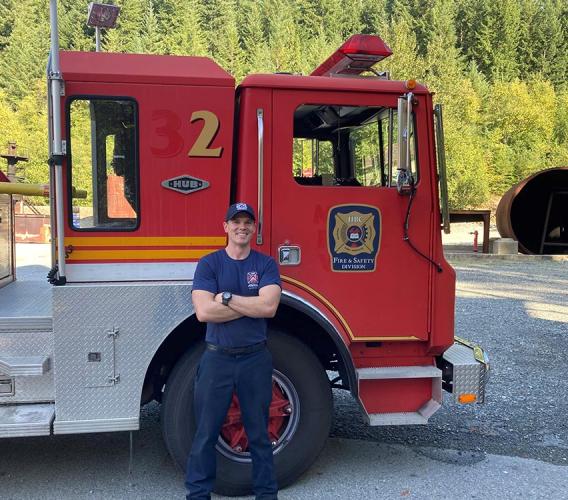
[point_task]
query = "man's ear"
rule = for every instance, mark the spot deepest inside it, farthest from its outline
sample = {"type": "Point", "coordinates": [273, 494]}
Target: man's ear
{"type": "Point", "coordinates": [225, 226]}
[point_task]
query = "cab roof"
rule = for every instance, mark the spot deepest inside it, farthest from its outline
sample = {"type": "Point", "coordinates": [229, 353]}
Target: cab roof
{"type": "Point", "coordinates": [143, 68]}
{"type": "Point", "coordinates": [355, 84]}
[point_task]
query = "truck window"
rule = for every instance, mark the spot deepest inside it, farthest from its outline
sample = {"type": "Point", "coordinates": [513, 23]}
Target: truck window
{"type": "Point", "coordinates": [103, 160]}
{"type": "Point", "coordinates": [347, 146]}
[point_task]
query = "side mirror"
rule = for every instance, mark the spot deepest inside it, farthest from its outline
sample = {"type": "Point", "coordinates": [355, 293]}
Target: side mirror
{"type": "Point", "coordinates": [404, 180]}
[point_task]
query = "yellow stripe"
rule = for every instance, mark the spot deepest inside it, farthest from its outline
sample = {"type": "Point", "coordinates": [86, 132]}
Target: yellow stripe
{"type": "Point", "coordinates": [146, 241]}
{"type": "Point", "coordinates": [338, 314]}
{"type": "Point", "coordinates": [323, 299]}
{"type": "Point", "coordinates": [138, 254]}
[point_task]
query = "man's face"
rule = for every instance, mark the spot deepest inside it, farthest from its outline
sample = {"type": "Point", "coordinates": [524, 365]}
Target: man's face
{"type": "Point", "coordinates": [240, 229]}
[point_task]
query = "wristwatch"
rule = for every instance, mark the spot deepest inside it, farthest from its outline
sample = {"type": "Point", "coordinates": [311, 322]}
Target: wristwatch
{"type": "Point", "coordinates": [226, 297]}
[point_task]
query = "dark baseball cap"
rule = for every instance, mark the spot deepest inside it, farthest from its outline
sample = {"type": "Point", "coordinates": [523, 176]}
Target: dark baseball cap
{"type": "Point", "coordinates": [237, 208]}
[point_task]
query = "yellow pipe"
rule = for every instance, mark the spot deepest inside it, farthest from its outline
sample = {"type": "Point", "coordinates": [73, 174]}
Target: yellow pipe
{"type": "Point", "coordinates": [34, 189]}
{"type": "Point", "coordinates": [27, 189]}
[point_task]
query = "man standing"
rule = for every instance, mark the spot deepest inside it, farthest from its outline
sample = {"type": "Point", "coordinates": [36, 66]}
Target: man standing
{"type": "Point", "coordinates": [234, 291]}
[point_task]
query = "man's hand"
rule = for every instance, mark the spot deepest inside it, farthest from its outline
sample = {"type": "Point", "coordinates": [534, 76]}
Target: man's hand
{"type": "Point", "coordinates": [210, 308]}
{"type": "Point", "coordinates": [263, 306]}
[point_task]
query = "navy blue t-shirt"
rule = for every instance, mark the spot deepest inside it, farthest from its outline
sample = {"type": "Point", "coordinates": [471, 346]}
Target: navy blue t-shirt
{"type": "Point", "coordinates": [217, 272]}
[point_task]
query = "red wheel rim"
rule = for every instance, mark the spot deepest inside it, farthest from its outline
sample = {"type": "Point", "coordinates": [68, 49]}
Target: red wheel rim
{"type": "Point", "coordinates": [233, 431]}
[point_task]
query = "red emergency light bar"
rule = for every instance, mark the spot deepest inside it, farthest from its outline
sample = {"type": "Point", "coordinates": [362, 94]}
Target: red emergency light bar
{"type": "Point", "coordinates": [358, 54]}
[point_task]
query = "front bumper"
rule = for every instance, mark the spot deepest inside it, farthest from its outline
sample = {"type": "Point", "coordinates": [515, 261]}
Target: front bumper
{"type": "Point", "coordinates": [465, 371]}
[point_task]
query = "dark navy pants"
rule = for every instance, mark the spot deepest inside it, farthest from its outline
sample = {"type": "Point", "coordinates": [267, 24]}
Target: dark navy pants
{"type": "Point", "coordinates": [250, 375]}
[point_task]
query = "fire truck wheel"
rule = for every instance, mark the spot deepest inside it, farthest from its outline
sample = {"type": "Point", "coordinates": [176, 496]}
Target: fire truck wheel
{"type": "Point", "coordinates": [300, 417]}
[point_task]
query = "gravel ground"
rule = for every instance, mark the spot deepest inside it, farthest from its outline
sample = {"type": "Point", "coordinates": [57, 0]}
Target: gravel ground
{"type": "Point", "coordinates": [516, 309]}
{"type": "Point", "coordinates": [518, 312]}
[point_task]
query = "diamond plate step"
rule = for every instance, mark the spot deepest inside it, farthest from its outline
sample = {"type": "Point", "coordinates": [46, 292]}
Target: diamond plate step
{"type": "Point", "coordinates": [26, 420]}
{"type": "Point", "coordinates": [14, 366]}
{"type": "Point", "coordinates": [393, 372]}
{"type": "Point", "coordinates": [26, 324]}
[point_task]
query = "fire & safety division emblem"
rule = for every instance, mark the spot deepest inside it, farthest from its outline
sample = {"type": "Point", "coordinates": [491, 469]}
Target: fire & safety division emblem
{"type": "Point", "coordinates": [353, 237]}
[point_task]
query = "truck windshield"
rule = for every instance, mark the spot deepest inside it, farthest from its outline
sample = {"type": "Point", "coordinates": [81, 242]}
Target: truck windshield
{"type": "Point", "coordinates": [103, 162]}
{"type": "Point", "coordinates": [347, 146]}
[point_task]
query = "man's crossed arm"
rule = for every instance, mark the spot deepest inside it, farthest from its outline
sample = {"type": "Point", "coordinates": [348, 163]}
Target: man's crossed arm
{"type": "Point", "coordinates": [209, 307]}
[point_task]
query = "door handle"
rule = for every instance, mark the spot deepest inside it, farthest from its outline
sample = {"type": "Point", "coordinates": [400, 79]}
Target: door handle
{"type": "Point", "coordinates": [260, 221]}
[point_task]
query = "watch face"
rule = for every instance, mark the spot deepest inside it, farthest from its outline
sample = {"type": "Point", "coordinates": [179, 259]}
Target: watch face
{"type": "Point", "coordinates": [227, 295]}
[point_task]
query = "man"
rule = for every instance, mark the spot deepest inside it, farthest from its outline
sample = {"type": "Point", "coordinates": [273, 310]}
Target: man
{"type": "Point", "coordinates": [234, 291]}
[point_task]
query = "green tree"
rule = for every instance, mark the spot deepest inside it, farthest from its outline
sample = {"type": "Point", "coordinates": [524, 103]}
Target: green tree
{"type": "Point", "coordinates": [127, 36]}
{"type": "Point", "coordinates": [23, 60]}
{"type": "Point", "coordinates": [310, 20]}
{"type": "Point", "coordinates": [331, 11]}
{"type": "Point", "coordinates": [284, 39]}
{"type": "Point", "coordinates": [27, 127]}
{"type": "Point", "coordinates": [474, 24]}
{"type": "Point", "coordinates": [374, 17]}
{"type": "Point", "coordinates": [505, 35]}
{"type": "Point", "coordinates": [180, 25]}
{"type": "Point", "coordinates": [150, 35]}
{"type": "Point", "coordinates": [466, 162]}
{"type": "Point", "coordinates": [316, 51]}
{"type": "Point", "coordinates": [225, 40]}
{"type": "Point", "coordinates": [560, 150]}
{"type": "Point", "coordinates": [7, 18]}
{"type": "Point", "coordinates": [444, 64]}
{"type": "Point", "coordinates": [548, 49]}
{"type": "Point", "coordinates": [405, 62]}
{"type": "Point", "coordinates": [74, 34]}
{"type": "Point", "coordinates": [253, 25]}
{"type": "Point", "coordinates": [520, 121]}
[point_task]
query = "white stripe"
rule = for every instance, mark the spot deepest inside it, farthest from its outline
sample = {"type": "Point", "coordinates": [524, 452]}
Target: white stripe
{"type": "Point", "coordinates": [136, 271]}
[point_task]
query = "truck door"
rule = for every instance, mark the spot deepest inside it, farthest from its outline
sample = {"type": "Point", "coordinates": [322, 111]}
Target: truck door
{"type": "Point", "coordinates": [335, 198]}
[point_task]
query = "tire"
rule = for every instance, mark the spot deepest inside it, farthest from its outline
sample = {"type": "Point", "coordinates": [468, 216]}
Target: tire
{"type": "Point", "coordinates": [302, 380]}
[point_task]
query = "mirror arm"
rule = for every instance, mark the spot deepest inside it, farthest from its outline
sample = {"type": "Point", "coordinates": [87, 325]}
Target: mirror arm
{"type": "Point", "coordinates": [404, 179]}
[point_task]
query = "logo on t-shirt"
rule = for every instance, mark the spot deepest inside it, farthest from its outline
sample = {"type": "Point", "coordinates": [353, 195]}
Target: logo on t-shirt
{"type": "Point", "coordinates": [252, 279]}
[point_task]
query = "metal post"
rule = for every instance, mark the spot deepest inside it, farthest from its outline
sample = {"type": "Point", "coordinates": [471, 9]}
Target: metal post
{"type": "Point", "coordinates": [56, 147]}
{"type": "Point", "coordinates": [52, 221]}
{"type": "Point", "coordinates": [97, 39]}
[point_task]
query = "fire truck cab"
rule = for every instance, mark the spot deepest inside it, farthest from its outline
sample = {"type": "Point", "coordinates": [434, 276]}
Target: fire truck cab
{"type": "Point", "coordinates": [342, 171]}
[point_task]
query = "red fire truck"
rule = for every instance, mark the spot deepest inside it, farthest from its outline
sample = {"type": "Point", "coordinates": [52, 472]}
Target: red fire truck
{"type": "Point", "coordinates": [342, 169]}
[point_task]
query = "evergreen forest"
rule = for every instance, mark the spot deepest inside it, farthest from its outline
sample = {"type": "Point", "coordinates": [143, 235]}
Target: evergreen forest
{"type": "Point", "coordinates": [499, 68]}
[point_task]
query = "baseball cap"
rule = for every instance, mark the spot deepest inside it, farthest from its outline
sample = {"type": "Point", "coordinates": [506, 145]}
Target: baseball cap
{"type": "Point", "coordinates": [236, 208]}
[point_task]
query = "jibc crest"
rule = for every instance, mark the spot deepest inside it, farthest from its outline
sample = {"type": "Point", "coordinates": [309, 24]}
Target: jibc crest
{"type": "Point", "coordinates": [353, 237]}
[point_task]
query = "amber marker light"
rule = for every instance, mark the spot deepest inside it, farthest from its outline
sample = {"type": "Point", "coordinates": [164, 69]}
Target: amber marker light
{"type": "Point", "coordinates": [467, 398]}
{"type": "Point", "coordinates": [410, 84]}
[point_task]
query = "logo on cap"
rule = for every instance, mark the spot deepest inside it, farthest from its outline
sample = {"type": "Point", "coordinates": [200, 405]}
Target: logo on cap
{"type": "Point", "coordinates": [242, 206]}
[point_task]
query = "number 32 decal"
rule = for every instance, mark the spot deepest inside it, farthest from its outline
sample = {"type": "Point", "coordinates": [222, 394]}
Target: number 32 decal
{"type": "Point", "coordinates": [208, 133]}
{"type": "Point", "coordinates": [170, 127]}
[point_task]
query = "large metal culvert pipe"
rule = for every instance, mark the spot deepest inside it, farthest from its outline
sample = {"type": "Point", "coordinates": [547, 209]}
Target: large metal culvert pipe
{"type": "Point", "coordinates": [535, 213]}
